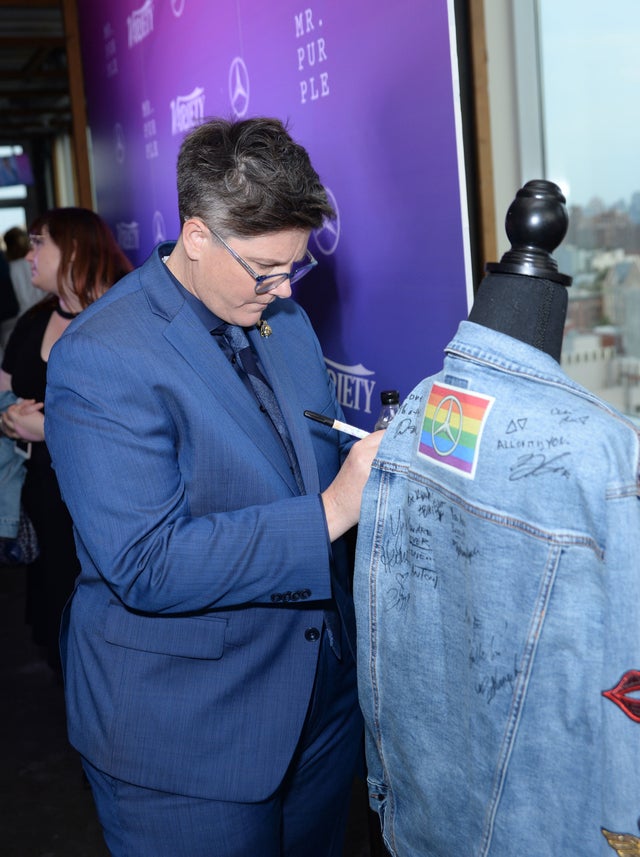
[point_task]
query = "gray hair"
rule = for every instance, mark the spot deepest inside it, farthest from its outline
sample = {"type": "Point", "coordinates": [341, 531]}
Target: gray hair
{"type": "Point", "coordinates": [248, 178]}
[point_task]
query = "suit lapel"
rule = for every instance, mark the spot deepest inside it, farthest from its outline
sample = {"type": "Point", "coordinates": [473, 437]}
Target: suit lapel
{"type": "Point", "coordinates": [194, 343]}
{"type": "Point", "coordinates": [277, 363]}
{"type": "Point", "coordinates": [189, 337]}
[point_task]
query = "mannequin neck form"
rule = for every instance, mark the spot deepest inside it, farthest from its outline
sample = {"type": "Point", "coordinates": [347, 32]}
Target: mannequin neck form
{"type": "Point", "coordinates": [530, 309]}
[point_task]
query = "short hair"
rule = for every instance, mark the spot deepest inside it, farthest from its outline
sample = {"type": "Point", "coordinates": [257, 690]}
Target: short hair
{"type": "Point", "coordinates": [88, 250]}
{"type": "Point", "coordinates": [16, 241]}
{"type": "Point", "coordinates": [248, 178]}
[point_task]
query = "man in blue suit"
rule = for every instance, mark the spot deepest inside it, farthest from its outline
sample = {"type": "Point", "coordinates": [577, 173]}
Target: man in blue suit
{"type": "Point", "coordinates": [207, 648]}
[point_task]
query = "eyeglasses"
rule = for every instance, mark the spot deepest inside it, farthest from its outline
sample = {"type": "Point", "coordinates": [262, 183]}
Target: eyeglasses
{"type": "Point", "coordinates": [36, 242]}
{"type": "Point", "coordinates": [267, 282]}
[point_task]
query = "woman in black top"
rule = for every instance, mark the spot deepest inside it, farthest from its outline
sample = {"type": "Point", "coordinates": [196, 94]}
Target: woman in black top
{"type": "Point", "coordinates": [74, 258]}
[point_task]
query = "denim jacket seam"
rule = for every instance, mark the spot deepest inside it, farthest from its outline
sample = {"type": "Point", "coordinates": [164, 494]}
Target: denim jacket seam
{"type": "Point", "coordinates": [561, 538]}
{"type": "Point", "coordinates": [559, 381]}
{"type": "Point", "coordinates": [519, 697]}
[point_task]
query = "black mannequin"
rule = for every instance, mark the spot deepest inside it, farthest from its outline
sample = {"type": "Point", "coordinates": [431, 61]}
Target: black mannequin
{"type": "Point", "coordinates": [524, 295]}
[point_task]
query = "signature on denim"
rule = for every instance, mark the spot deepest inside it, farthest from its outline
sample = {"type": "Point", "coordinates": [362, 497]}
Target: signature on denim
{"type": "Point", "coordinates": [566, 416]}
{"type": "Point", "coordinates": [537, 464]}
{"type": "Point", "coordinates": [394, 549]}
{"type": "Point", "coordinates": [491, 684]}
{"type": "Point", "coordinates": [479, 652]}
{"type": "Point", "coordinates": [397, 596]}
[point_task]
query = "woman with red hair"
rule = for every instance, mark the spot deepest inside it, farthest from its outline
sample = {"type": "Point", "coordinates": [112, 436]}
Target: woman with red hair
{"type": "Point", "coordinates": [74, 259]}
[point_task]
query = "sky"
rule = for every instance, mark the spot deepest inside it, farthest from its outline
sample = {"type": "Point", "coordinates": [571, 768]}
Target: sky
{"type": "Point", "coordinates": [591, 97]}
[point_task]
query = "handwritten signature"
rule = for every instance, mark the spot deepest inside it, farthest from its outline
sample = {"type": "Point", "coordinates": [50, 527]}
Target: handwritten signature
{"type": "Point", "coordinates": [397, 596]}
{"type": "Point", "coordinates": [537, 464]}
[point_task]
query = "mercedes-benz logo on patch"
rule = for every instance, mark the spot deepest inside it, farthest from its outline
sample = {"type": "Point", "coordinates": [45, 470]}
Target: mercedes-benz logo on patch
{"type": "Point", "coordinates": [158, 227]}
{"type": "Point", "coordinates": [444, 435]}
{"type": "Point", "coordinates": [328, 235]}
{"type": "Point", "coordinates": [118, 133]}
{"type": "Point", "coordinates": [239, 87]}
{"type": "Point", "coordinates": [177, 7]}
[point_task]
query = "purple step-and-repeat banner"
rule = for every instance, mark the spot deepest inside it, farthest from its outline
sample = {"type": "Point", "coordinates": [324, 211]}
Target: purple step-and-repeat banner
{"type": "Point", "coordinates": [370, 89]}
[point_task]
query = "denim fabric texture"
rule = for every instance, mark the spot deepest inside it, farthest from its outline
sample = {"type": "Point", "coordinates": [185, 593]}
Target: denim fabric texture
{"type": "Point", "coordinates": [12, 473]}
{"type": "Point", "coordinates": [497, 590]}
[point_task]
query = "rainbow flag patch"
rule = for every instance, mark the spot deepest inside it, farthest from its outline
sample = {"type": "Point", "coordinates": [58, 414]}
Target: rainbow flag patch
{"type": "Point", "coordinates": [452, 427]}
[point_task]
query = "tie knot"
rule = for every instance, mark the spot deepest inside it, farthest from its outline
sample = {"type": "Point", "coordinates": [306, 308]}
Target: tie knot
{"type": "Point", "coordinates": [236, 337]}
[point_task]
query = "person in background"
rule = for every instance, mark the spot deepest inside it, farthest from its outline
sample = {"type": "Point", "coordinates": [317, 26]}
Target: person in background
{"type": "Point", "coordinates": [74, 258]}
{"type": "Point", "coordinates": [8, 301]}
{"type": "Point", "coordinates": [209, 674]}
{"type": "Point", "coordinates": [16, 242]}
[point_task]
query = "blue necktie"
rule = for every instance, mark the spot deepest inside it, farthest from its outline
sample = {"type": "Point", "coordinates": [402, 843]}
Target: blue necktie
{"type": "Point", "coordinates": [241, 349]}
{"type": "Point", "coordinates": [237, 339]}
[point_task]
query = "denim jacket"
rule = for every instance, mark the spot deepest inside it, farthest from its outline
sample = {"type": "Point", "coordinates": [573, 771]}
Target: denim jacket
{"type": "Point", "coordinates": [12, 473]}
{"type": "Point", "coordinates": [497, 590]}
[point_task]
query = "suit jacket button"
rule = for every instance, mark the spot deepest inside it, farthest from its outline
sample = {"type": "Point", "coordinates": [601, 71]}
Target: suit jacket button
{"type": "Point", "coordinates": [312, 634]}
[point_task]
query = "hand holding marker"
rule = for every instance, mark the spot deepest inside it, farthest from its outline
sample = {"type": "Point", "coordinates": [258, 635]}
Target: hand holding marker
{"type": "Point", "coordinates": [336, 424]}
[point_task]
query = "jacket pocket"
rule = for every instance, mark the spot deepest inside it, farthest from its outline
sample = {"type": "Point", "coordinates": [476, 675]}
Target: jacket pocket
{"type": "Point", "coordinates": [183, 637]}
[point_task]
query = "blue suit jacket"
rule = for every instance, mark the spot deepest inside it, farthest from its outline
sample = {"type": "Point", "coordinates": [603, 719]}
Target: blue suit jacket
{"type": "Point", "coordinates": [189, 659]}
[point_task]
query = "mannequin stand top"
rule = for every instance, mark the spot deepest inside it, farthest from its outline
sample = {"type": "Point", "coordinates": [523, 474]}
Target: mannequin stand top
{"type": "Point", "coordinates": [524, 295]}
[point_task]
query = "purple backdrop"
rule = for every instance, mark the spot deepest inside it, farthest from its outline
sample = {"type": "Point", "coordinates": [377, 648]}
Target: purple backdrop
{"type": "Point", "coordinates": [369, 89]}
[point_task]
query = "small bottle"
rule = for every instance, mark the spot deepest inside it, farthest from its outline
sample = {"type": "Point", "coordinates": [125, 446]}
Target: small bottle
{"type": "Point", "coordinates": [390, 400]}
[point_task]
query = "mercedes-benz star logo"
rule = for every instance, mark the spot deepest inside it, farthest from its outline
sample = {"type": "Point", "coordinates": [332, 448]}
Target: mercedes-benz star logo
{"type": "Point", "coordinates": [239, 87]}
{"type": "Point", "coordinates": [159, 231]}
{"type": "Point", "coordinates": [328, 235]}
{"type": "Point", "coordinates": [444, 434]}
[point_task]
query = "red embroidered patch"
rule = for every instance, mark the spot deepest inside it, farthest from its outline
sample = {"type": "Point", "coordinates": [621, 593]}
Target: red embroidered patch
{"type": "Point", "coordinates": [629, 683]}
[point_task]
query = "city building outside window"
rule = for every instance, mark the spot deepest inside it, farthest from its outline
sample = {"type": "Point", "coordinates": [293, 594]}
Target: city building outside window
{"type": "Point", "coordinates": [589, 77]}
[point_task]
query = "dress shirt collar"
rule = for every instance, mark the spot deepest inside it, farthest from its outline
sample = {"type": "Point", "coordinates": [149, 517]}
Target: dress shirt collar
{"type": "Point", "coordinates": [209, 319]}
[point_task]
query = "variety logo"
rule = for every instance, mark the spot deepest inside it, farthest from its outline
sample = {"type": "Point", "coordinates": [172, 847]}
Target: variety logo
{"type": "Point", "coordinates": [328, 235]}
{"type": "Point", "coordinates": [452, 427]}
{"type": "Point", "coordinates": [187, 111]}
{"type": "Point", "coordinates": [128, 235]}
{"type": "Point", "coordinates": [353, 384]}
{"type": "Point", "coordinates": [239, 87]}
{"type": "Point", "coordinates": [119, 144]}
{"type": "Point", "coordinates": [140, 23]}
